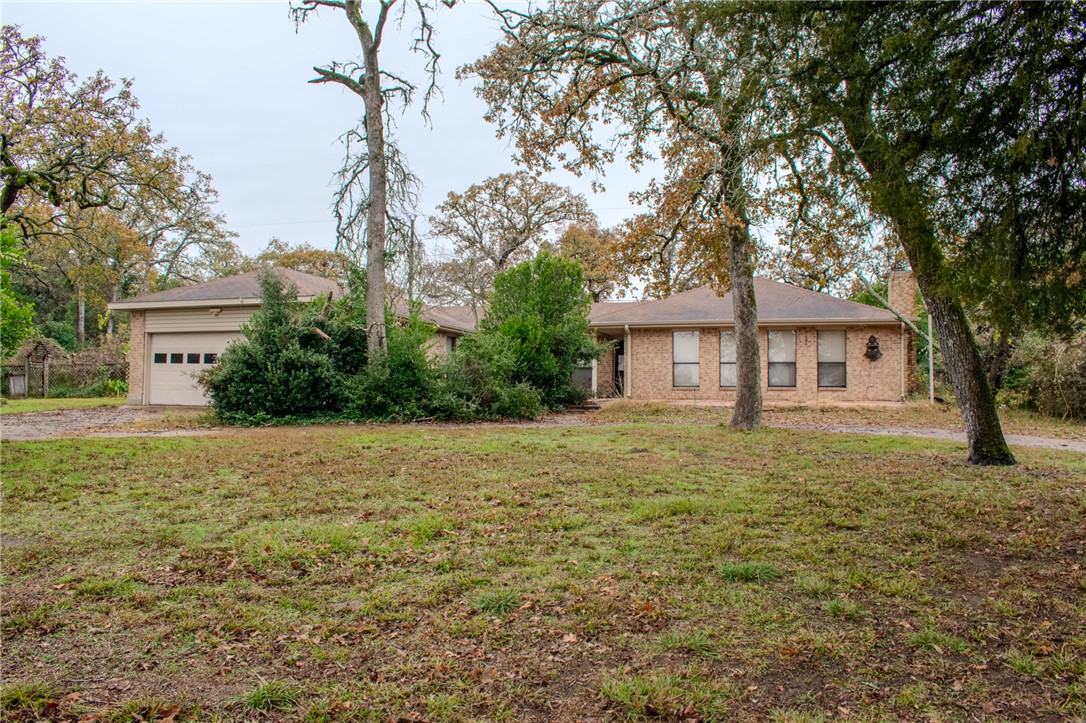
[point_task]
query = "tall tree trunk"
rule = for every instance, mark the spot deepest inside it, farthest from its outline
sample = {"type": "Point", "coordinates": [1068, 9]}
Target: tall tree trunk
{"type": "Point", "coordinates": [748, 366]}
{"type": "Point", "coordinates": [374, 120]}
{"type": "Point", "coordinates": [894, 195]}
{"type": "Point", "coordinates": [375, 214]}
{"type": "Point", "coordinates": [80, 316]}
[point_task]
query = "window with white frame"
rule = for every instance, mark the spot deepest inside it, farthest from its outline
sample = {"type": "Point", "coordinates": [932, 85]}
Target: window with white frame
{"type": "Point", "coordinates": [727, 358]}
{"type": "Point", "coordinates": [782, 359]}
{"type": "Point", "coordinates": [685, 358]}
{"type": "Point", "coordinates": [831, 359]}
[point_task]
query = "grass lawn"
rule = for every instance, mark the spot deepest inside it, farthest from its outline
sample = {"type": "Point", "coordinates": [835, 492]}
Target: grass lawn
{"type": "Point", "coordinates": [635, 571]}
{"type": "Point", "coordinates": [910, 415]}
{"type": "Point", "coordinates": [14, 406]}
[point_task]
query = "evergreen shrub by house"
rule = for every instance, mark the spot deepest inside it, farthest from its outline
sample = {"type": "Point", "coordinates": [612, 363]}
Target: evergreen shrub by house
{"type": "Point", "coordinates": [284, 368]}
{"type": "Point", "coordinates": [308, 362]}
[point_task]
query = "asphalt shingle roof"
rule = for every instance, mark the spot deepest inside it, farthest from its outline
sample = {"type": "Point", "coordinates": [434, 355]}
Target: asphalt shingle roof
{"type": "Point", "coordinates": [777, 302]}
{"type": "Point", "coordinates": [241, 286]}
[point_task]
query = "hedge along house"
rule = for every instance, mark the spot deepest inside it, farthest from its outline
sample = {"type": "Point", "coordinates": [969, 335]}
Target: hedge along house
{"type": "Point", "coordinates": [815, 348]}
{"type": "Point", "coordinates": [175, 333]}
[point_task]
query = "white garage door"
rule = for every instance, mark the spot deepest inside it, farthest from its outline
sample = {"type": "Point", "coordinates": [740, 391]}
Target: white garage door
{"type": "Point", "coordinates": [176, 359]}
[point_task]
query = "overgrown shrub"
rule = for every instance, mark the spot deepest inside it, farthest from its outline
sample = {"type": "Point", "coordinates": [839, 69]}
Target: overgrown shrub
{"type": "Point", "coordinates": [400, 382]}
{"type": "Point", "coordinates": [300, 362]}
{"type": "Point", "coordinates": [1048, 374]}
{"type": "Point", "coordinates": [476, 382]}
{"type": "Point", "coordinates": [540, 307]}
{"type": "Point", "coordinates": [289, 364]}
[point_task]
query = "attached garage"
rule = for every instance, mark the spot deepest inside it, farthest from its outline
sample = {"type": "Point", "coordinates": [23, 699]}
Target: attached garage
{"type": "Point", "coordinates": [177, 359]}
{"type": "Point", "coordinates": [174, 334]}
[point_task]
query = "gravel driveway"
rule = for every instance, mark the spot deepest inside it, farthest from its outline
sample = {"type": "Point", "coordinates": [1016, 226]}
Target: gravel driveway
{"type": "Point", "coordinates": [54, 423]}
{"type": "Point", "coordinates": [119, 422]}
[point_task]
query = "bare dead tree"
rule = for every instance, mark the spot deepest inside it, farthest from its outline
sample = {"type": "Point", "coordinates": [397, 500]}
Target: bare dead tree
{"type": "Point", "coordinates": [365, 187]}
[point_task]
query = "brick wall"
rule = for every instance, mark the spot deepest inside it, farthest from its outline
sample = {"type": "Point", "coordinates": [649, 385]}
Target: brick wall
{"type": "Point", "coordinates": [137, 355]}
{"type": "Point", "coordinates": [649, 362]}
{"type": "Point", "coordinates": [605, 375]}
{"type": "Point", "coordinates": [901, 293]}
{"type": "Point", "coordinates": [437, 348]}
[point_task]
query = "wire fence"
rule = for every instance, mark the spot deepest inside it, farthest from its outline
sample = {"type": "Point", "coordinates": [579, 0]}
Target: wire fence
{"type": "Point", "coordinates": [63, 378]}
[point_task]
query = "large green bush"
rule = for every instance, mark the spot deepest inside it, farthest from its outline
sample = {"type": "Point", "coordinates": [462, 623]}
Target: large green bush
{"type": "Point", "coordinates": [300, 362]}
{"type": "Point", "coordinates": [400, 382]}
{"type": "Point", "coordinates": [477, 382]}
{"type": "Point", "coordinates": [294, 361]}
{"type": "Point", "coordinates": [540, 308]}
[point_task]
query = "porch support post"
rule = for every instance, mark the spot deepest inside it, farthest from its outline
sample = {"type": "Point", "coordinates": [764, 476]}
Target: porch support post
{"type": "Point", "coordinates": [627, 357]}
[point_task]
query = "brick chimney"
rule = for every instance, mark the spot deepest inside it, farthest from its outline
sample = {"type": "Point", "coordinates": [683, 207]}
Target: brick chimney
{"type": "Point", "coordinates": [902, 293]}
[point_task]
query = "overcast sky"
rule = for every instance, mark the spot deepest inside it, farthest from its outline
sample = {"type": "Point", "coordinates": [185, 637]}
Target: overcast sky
{"type": "Point", "coordinates": [226, 83]}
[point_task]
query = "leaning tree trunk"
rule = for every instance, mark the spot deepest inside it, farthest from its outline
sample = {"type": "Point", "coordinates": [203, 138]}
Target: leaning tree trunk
{"type": "Point", "coordinates": [748, 366]}
{"type": "Point", "coordinates": [896, 196]}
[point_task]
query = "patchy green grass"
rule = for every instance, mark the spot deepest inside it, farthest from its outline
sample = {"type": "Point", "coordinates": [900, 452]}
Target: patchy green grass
{"type": "Point", "coordinates": [760, 572]}
{"type": "Point", "coordinates": [269, 695]}
{"type": "Point", "coordinates": [15, 406]}
{"type": "Point", "coordinates": [907, 415]}
{"type": "Point", "coordinates": [622, 571]}
{"type": "Point", "coordinates": [937, 641]}
{"type": "Point", "coordinates": [27, 699]}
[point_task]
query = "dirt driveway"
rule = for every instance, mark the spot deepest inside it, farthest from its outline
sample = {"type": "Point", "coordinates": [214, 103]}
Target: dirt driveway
{"type": "Point", "coordinates": [91, 421]}
{"type": "Point", "coordinates": [167, 421]}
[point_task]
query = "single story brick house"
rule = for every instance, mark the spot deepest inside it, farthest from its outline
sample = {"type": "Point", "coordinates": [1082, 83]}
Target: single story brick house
{"type": "Point", "coordinates": [177, 332]}
{"type": "Point", "coordinates": [815, 348]}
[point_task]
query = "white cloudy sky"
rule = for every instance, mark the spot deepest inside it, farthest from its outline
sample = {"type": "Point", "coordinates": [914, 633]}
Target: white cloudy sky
{"type": "Point", "coordinates": [225, 81]}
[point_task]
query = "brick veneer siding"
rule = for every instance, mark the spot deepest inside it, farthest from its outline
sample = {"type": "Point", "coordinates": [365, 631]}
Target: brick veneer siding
{"type": "Point", "coordinates": [137, 355]}
{"type": "Point", "coordinates": [605, 375]}
{"type": "Point", "coordinates": [650, 362]}
{"type": "Point", "coordinates": [901, 293]}
{"type": "Point", "coordinates": [437, 347]}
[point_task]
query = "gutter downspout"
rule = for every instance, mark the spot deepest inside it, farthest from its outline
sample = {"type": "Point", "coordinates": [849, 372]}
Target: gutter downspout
{"type": "Point", "coordinates": [627, 380]}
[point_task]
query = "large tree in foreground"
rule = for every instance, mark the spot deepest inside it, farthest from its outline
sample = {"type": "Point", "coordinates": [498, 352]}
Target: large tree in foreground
{"type": "Point", "coordinates": [962, 123]}
{"type": "Point", "coordinates": [374, 180]}
{"type": "Point", "coordinates": [580, 83]}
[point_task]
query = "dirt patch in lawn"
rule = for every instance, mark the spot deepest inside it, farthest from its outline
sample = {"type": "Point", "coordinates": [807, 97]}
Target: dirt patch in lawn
{"type": "Point", "coordinates": [101, 421]}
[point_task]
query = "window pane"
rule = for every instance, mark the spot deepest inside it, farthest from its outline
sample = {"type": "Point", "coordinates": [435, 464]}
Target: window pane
{"type": "Point", "coordinates": [177, 358]}
{"type": "Point", "coordinates": [727, 347]}
{"type": "Point", "coordinates": [831, 374]}
{"type": "Point", "coordinates": [160, 358]}
{"type": "Point", "coordinates": [782, 374]}
{"type": "Point", "coordinates": [582, 377]}
{"type": "Point", "coordinates": [686, 375]}
{"type": "Point", "coordinates": [782, 346]}
{"type": "Point", "coordinates": [192, 358]}
{"type": "Point", "coordinates": [685, 347]}
{"type": "Point", "coordinates": [831, 346]}
{"type": "Point", "coordinates": [727, 375]}
{"type": "Point", "coordinates": [211, 358]}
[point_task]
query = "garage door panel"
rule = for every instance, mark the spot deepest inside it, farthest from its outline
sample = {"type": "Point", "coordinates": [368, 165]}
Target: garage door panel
{"type": "Point", "coordinates": [176, 361]}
